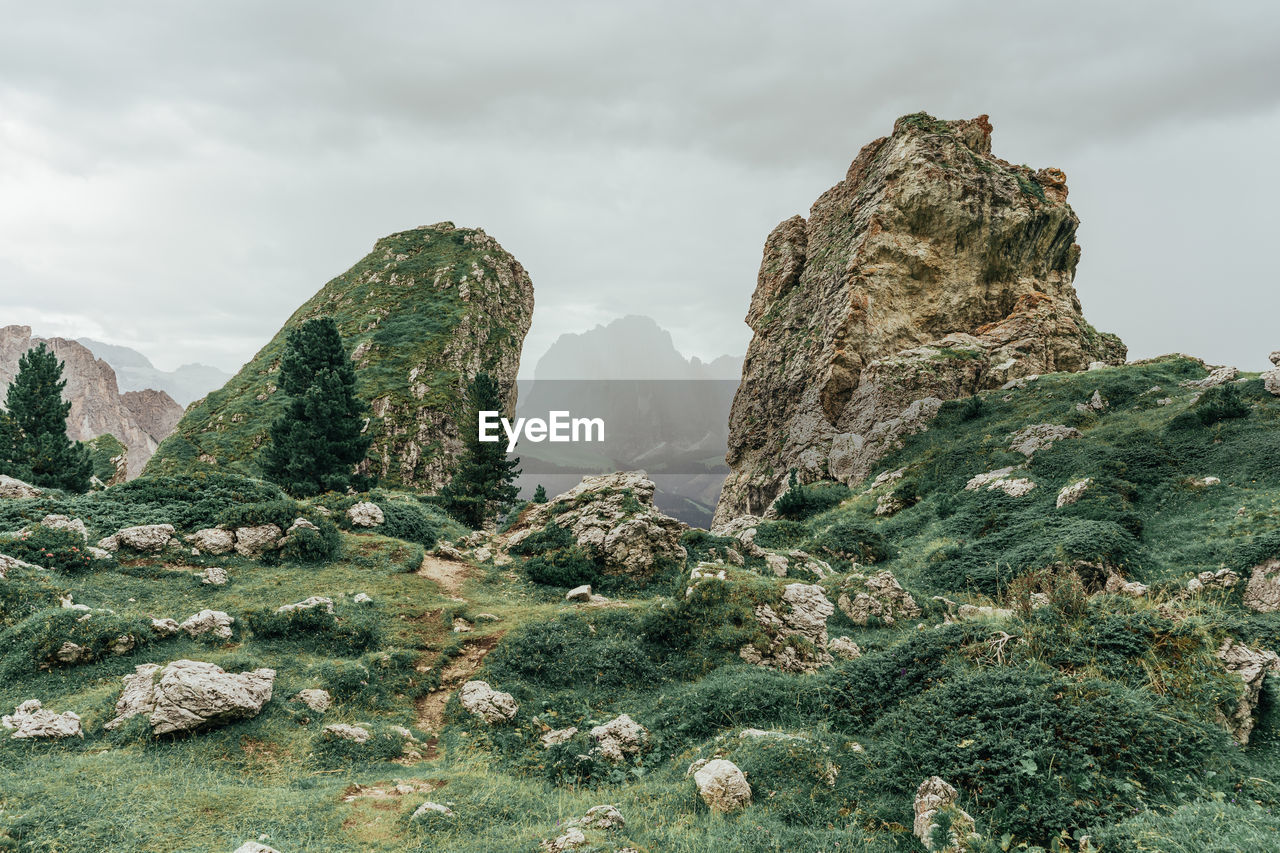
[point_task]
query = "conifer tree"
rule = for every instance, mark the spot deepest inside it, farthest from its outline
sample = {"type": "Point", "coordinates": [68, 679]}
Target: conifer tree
{"type": "Point", "coordinates": [540, 495]}
{"type": "Point", "coordinates": [33, 429]}
{"type": "Point", "coordinates": [484, 483]}
{"type": "Point", "coordinates": [320, 438]}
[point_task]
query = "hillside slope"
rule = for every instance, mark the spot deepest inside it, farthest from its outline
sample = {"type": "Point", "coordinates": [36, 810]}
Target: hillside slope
{"type": "Point", "coordinates": [420, 314]}
{"type": "Point", "coordinates": [1069, 660]}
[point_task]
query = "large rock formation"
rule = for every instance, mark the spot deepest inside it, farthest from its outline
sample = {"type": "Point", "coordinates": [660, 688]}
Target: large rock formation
{"type": "Point", "coordinates": [138, 419]}
{"type": "Point", "coordinates": [933, 270]}
{"type": "Point", "coordinates": [421, 314]}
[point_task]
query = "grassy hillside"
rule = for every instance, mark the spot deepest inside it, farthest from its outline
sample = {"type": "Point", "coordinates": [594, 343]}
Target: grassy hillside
{"type": "Point", "coordinates": [421, 313]}
{"type": "Point", "coordinates": [1094, 714]}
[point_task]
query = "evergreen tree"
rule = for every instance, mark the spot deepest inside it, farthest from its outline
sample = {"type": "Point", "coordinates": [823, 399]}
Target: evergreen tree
{"type": "Point", "coordinates": [484, 483]}
{"type": "Point", "coordinates": [540, 495]}
{"type": "Point", "coordinates": [33, 430]}
{"type": "Point", "coordinates": [320, 438]}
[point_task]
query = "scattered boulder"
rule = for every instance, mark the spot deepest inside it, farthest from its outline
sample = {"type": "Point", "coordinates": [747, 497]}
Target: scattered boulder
{"type": "Point", "coordinates": [1037, 437]}
{"type": "Point", "coordinates": [1095, 404]}
{"type": "Point", "coordinates": [1262, 594]}
{"type": "Point", "coordinates": [365, 514]}
{"type": "Point", "coordinates": [144, 538]}
{"type": "Point", "coordinates": [214, 576]}
{"type": "Point", "coordinates": [255, 847]}
{"type": "Point", "coordinates": [462, 626]}
{"type": "Point", "coordinates": [881, 597]}
{"type": "Point", "coordinates": [613, 514]}
{"type": "Point", "coordinates": [555, 737]}
{"type": "Point", "coordinates": [188, 695]}
{"type": "Point", "coordinates": [933, 796]}
{"type": "Point", "coordinates": [8, 564]}
{"type": "Point", "coordinates": [342, 731]}
{"type": "Point", "coordinates": [843, 647]}
{"type": "Point", "coordinates": [1002, 479]}
{"type": "Point", "coordinates": [1221, 579]}
{"type": "Point", "coordinates": [12, 488]}
{"type": "Point", "coordinates": [361, 598]}
{"type": "Point", "coordinates": [429, 808]}
{"type": "Point", "coordinates": [605, 817]}
{"type": "Point", "coordinates": [1252, 667]}
{"type": "Point", "coordinates": [315, 699]}
{"type": "Point", "coordinates": [308, 604]}
{"type": "Point", "coordinates": [212, 540]}
{"type": "Point", "coordinates": [1073, 492]}
{"type": "Point", "coordinates": [722, 786]}
{"type": "Point", "coordinates": [255, 541]}
{"type": "Point", "coordinates": [165, 627]}
{"type": "Point", "coordinates": [1221, 376]}
{"type": "Point", "coordinates": [208, 622]}
{"type": "Point", "coordinates": [802, 614]}
{"type": "Point", "coordinates": [572, 839]}
{"type": "Point", "coordinates": [64, 522]}
{"type": "Point", "coordinates": [299, 523]}
{"type": "Point", "coordinates": [32, 720]}
{"type": "Point", "coordinates": [1204, 482]}
{"type": "Point", "coordinates": [619, 738]}
{"type": "Point", "coordinates": [481, 700]}
{"type": "Point", "coordinates": [71, 653]}
{"type": "Point", "coordinates": [579, 593]}
{"type": "Point", "coordinates": [1117, 585]}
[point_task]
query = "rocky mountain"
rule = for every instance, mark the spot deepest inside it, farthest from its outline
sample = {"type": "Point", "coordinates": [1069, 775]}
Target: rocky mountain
{"type": "Point", "coordinates": [135, 372]}
{"type": "Point", "coordinates": [420, 314]}
{"type": "Point", "coordinates": [933, 270]}
{"type": "Point", "coordinates": [140, 420]}
{"type": "Point", "coordinates": [631, 347]}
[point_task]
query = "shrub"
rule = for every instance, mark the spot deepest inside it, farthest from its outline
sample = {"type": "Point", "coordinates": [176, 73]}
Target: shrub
{"type": "Point", "coordinates": [377, 682]}
{"type": "Point", "coordinates": [701, 545]}
{"type": "Point", "coordinates": [34, 642]}
{"type": "Point", "coordinates": [50, 548]}
{"type": "Point", "coordinates": [852, 539]}
{"type": "Point", "coordinates": [1217, 404]}
{"type": "Point", "coordinates": [781, 534]}
{"type": "Point", "coordinates": [1212, 826]}
{"type": "Point", "coordinates": [729, 697]}
{"type": "Point", "coordinates": [349, 630]}
{"type": "Point", "coordinates": [24, 592]}
{"type": "Point", "coordinates": [313, 546]}
{"type": "Point", "coordinates": [568, 567]}
{"type": "Point", "coordinates": [1046, 753]}
{"type": "Point", "coordinates": [281, 512]}
{"type": "Point", "coordinates": [187, 502]}
{"type": "Point", "coordinates": [384, 744]}
{"type": "Point", "coordinates": [412, 522]}
{"type": "Point", "coordinates": [799, 502]}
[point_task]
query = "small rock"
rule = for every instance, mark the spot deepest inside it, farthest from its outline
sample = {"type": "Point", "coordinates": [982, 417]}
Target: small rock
{"type": "Point", "coordinates": [481, 700]}
{"type": "Point", "coordinates": [1073, 492]}
{"type": "Point", "coordinates": [461, 626]}
{"type": "Point", "coordinates": [255, 847]}
{"type": "Point", "coordinates": [308, 604]}
{"type": "Point", "coordinates": [1207, 481]}
{"type": "Point", "coordinates": [482, 554]}
{"type": "Point", "coordinates": [843, 647]}
{"type": "Point", "coordinates": [1095, 404]}
{"type": "Point", "coordinates": [572, 839]}
{"type": "Point", "coordinates": [71, 653]}
{"type": "Point", "coordinates": [1221, 579]}
{"type": "Point", "coordinates": [208, 622]}
{"type": "Point", "coordinates": [214, 576]}
{"type": "Point", "coordinates": [1221, 376]}
{"type": "Point", "coordinates": [315, 699]}
{"type": "Point", "coordinates": [1117, 585]}
{"type": "Point", "coordinates": [300, 524]}
{"type": "Point", "coordinates": [165, 627]}
{"type": "Point", "coordinates": [1252, 667]}
{"type": "Point", "coordinates": [8, 564]}
{"type": "Point", "coordinates": [255, 541]}
{"type": "Point", "coordinates": [361, 598]}
{"type": "Point", "coordinates": [603, 817]}
{"type": "Point", "coordinates": [555, 737]}
{"type": "Point", "coordinates": [31, 720]}
{"type": "Point", "coordinates": [935, 795]}
{"type": "Point", "coordinates": [342, 731]}
{"type": "Point", "coordinates": [722, 786]}
{"type": "Point", "coordinates": [430, 808]}
{"type": "Point", "coordinates": [884, 598]}
{"type": "Point", "coordinates": [145, 539]}
{"type": "Point", "coordinates": [365, 514]}
{"type": "Point", "coordinates": [579, 593]}
{"type": "Point", "coordinates": [63, 522]}
{"type": "Point", "coordinates": [212, 540]}
{"type": "Point", "coordinates": [1036, 437]}
{"type": "Point", "coordinates": [619, 738]}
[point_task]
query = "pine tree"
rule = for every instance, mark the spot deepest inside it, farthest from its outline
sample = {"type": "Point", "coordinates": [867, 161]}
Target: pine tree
{"type": "Point", "coordinates": [320, 438]}
{"type": "Point", "coordinates": [484, 483]}
{"type": "Point", "coordinates": [540, 495]}
{"type": "Point", "coordinates": [33, 430]}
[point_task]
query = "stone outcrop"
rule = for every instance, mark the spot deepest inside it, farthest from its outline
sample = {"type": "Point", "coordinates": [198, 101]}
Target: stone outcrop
{"type": "Point", "coordinates": [619, 739]}
{"type": "Point", "coordinates": [314, 698]}
{"type": "Point", "coordinates": [213, 622]}
{"type": "Point", "coordinates": [139, 419]}
{"type": "Point", "coordinates": [932, 271]}
{"type": "Point", "coordinates": [31, 720]}
{"type": "Point", "coordinates": [613, 514]}
{"type": "Point", "coordinates": [722, 786]}
{"type": "Point", "coordinates": [365, 514]}
{"type": "Point", "coordinates": [481, 700]}
{"type": "Point", "coordinates": [879, 595]}
{"type": "Point", "coordinates": [1262, 593]}
{"type": "Point", "coordinates": [14, 489]}
{"type": "Point", "coordinates": [257, 540]}
{"type": "Point", "coordinates": [425, 311]}
{"type": "Point", "coordinates": [189, 695]}
{"type": "Point", "coordinates": [802, 615]}
{"type": "Point", "coordinates": [933, 796]}
{"type": "Point", "coordinates": [1271, 378]}
{"type": "Point", "coordinates": [1252, 666]}
{"type": "Point", "coordinates": [144, 539]}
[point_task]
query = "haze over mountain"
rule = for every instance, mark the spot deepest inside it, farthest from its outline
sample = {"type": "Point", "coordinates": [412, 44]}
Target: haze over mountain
{"type": "Point", "coordinates": [631, 347]}
{"type": "Point", "coordinates": [135, 372]}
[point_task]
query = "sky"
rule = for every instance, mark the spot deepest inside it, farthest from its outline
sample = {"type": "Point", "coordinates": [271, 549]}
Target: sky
{"type": "Point", "coordinates": [179, 177]}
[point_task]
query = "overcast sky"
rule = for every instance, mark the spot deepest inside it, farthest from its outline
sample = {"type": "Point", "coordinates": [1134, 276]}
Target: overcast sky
{"type": "Point", "coordinates": [179, 176]}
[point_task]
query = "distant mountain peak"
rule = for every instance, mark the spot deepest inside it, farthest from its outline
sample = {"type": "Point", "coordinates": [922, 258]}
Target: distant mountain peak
{"type": "Point", "coordinates": [629, 347]}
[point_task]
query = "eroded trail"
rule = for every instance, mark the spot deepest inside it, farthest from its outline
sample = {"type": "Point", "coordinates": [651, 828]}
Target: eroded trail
{"type": "Point", "coordinates": [448, 574]}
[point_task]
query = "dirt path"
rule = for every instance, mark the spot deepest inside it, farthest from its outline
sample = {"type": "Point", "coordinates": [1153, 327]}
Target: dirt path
{"type": "Point", "coordinates": [447, 573]}
{"type": "Point", "coordinates": [430, 708]}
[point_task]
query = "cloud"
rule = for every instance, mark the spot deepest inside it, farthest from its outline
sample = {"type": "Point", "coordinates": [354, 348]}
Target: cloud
{"type": "Point", "coordinates": [181, 176]}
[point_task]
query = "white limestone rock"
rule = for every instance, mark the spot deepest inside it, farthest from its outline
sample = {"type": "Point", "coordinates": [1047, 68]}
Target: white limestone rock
{"type": "Point", "coordinates": [213, 622]}
{"type": "Point", "coordinates": [188, 695]}
{"type": "Point", "coordinates": [365, 514]}
{"type": "Point", "coordinates": [619, 738]}
{"type": "Point", "coordinates": [31, 720]}
{"type": "Point", "coordinates": [481, 700]}
{"type": "Point", "coordinates": [722, 786]}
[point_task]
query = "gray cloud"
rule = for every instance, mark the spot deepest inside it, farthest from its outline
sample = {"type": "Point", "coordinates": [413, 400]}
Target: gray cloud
{"type": "Point", "coordinates": [179, 177]}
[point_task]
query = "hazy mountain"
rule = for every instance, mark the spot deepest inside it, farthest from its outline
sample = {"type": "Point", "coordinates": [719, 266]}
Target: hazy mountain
{"type": "Point", "coordinates": [135, 372]}
{"type": "Point", "coordinates": [631, 347]}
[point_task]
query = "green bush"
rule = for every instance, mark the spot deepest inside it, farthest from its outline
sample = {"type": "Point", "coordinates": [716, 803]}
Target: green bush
{"type": "Point", "coordinates": [24, 592]}
{"type": "Point", "coordinates": [1046, 753]}
{"type": "Point", "coordinates": [384, 744]}
{"type": "Point", "coordinates": [281, 512]}
{"type": "Point", "coordinates": [313, 546]}
{"type": "Point", "coordinates": [799, 501]}
{"type": "Point", "coordinates": [412, 522]}
{"type": "Point", "coordinates": [1217, 404]}
{"type": "Point", "coordinates": [50, 548]}
{"type": "Point", "coordinates": [349, 630]}
{"type": "Point", "coordinates": [1213, 826]}
{"type": "Point", "coordinates": [781, 534]}
{"type": "Point", "coordinates": [852, 539]}
{"type": "Point", "coordinates": [569, 567]}
{"type": "Point", "coordinates": [34, 642]}
{"type": "Point", "coordinates": [381, 681]}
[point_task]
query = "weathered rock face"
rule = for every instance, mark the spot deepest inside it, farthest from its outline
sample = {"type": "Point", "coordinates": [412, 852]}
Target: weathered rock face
{"type": "Point", "coordinates": [933, 270]}
{"type": "Point", "coordinates": [619, 738]}
{"type": "Point", "coordinates": [425, 311]}
{"type": "Point", "coordinates": [802, 615]}
{"type": "Point", "coordinates": [32, 720]}
{"type": "Point", "coordinates": [481, 700]}
{"type": "Point", "coordinates": [139, 419]}
{"type": "Point", "coordinates": [613, 513]}
{"type": "Point", "coordinates": [188, 695]}
{"type": "Point", "coordinates": [1252, 665]}
{"type": "Point", "coordinates": [1262, 594]}
{"type": "Point", "coordinates": [722, 786]}
{"type": "Point", "coordinates": [880, 596]}
{"type": "Point", "coordinates": [933, 796]}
